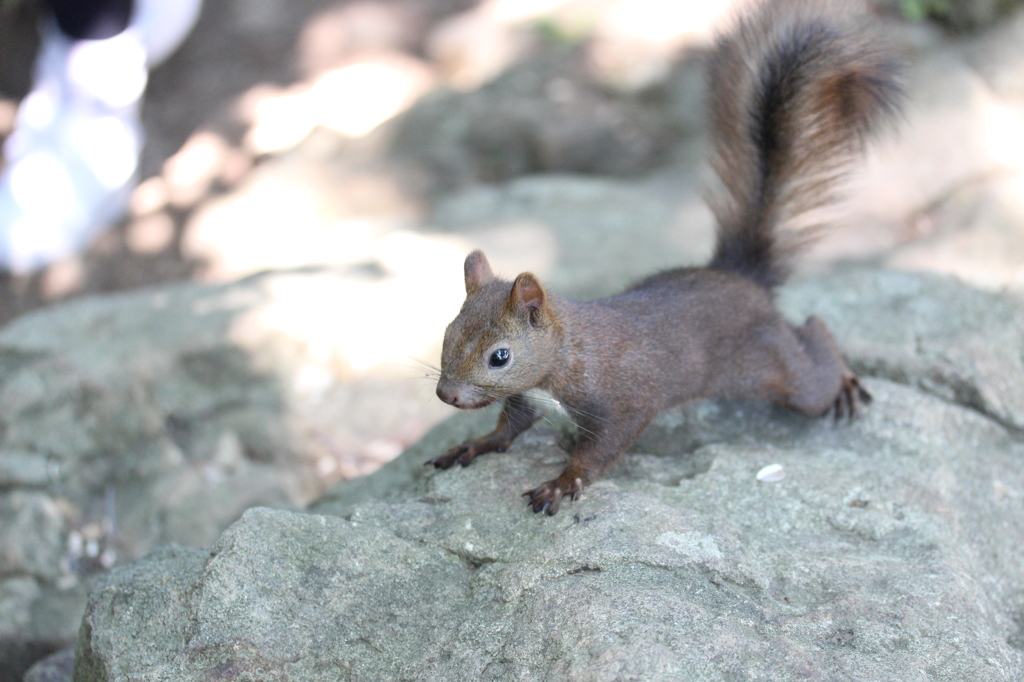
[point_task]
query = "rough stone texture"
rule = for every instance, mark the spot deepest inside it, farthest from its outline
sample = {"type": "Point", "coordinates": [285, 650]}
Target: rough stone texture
{"type": "Point", "coordinates": [149, 419]}
{"type": "Point", "coordinates": [963, 345]}
{"type": "Point", "coordinates": [891, 550]}
{"type": "Point", "coordinates": [133, 421]}
{"type": "Point", "coordinates": [161, 600]}
{"type": "Point", "coordinates": [123, 429]}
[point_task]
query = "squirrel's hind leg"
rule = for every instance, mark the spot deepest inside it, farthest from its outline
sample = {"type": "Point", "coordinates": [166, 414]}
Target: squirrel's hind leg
{"type": "Point", "coordinates": [817, 376]}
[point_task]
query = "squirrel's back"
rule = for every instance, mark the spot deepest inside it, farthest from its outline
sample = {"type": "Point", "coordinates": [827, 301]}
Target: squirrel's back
{"type": "Point", "coordinates": [794, 91]}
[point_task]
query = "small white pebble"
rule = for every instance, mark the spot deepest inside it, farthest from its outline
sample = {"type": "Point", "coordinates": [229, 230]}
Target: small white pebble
{"type": "Point", "coordinates": [76, 544]}
{"type": "Point", "coordinates": [108, 558]}
{"type": "Point", "coordinates": [214, 475]}
{"type": "Point", "coordinates": [66, 581]}
{"type": "Point", "coordinates": [325, 466]}
{"type": "Point", "coordinates": [771, 473]}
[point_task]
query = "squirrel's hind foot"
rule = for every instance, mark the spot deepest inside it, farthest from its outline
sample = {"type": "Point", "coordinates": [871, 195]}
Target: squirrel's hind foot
{"type": "Point", "coordinates": [548, 497]}
{"type": "Point", "coordinates": [850, 397]}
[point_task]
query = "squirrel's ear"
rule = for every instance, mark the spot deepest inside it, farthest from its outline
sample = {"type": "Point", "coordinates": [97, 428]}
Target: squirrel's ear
{"type": "Point", "coordinates": [478, 271]}
{"type": "Point", "coordinates": [528, 295]}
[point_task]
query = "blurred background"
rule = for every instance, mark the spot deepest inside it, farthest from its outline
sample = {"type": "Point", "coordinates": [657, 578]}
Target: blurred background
{"type": "Point", "coordinates": [256, 317]}
{"type": "Point", "coordinates": [289, 133]}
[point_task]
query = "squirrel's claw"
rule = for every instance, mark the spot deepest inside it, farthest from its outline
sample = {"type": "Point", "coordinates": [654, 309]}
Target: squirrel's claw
{"type": "Point", "coordinates": [465, 453]}
{"type": "Point", "coordinates": [862, 393]}
{"type": "Point", "coordinates": [548, 497]}
{"type": "Point", "coordinates": [850, 397]}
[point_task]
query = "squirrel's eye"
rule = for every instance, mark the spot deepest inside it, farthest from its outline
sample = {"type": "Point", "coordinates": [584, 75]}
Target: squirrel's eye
{"type": "Point", "coordinates": [499, 358]}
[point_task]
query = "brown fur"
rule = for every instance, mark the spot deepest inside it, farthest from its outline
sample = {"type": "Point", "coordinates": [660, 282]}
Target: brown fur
{"type": "Point", "coordinates": [795, 90]}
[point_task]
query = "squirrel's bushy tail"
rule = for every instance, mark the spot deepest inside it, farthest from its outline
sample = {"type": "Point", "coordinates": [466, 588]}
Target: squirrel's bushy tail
{"type": "Point", "coordinates": [794, 91]}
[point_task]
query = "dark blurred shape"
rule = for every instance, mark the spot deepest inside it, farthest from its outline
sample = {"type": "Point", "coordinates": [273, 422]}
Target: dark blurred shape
{"type": "Point", "coordinates": [92, 20]}
{"type": "Point", "coordinates": [16, 657]}
{"type": "Point", "coordinates": [959, 15]}
{"type": "Point", "coordinates": [19, 41]}
{"type": "Point", "coordinates": [972, 15]}
{"type": "Point", "coordinates": [58, 667]}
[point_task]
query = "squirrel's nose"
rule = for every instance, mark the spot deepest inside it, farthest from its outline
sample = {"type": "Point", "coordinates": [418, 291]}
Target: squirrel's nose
{"type": "Point", "coordinates": [448, 394]}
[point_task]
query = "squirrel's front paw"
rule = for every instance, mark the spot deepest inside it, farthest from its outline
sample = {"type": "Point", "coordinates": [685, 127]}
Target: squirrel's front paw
{"type": "Point", "coordinates": [548, 497]}
{"type": "Point", "coordinates": [466, 452]}
{"type": "Point", "coordinates": [850, 397]}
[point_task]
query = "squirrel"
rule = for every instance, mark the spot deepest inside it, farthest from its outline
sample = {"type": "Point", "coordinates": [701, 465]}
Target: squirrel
{"type": "Point", "coordinates": [795, 91]}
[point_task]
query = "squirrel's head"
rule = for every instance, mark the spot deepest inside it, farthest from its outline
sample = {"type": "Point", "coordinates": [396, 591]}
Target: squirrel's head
{"type": "Point", "coordinates": [504, 341]}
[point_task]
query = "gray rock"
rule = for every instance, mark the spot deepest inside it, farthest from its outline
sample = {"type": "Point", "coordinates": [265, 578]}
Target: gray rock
{"type": "Point", "coordinates": [133, 421]}
{"type": "Point", "coordinates": [967, 15]}
{"type": "Point", "coordinates": [975, 233]}
{"type": "Point", "coordinates": [547, 114]}
{"type": "Point", "coordinates": [891, 549]}
{"type": "Point", "coordinates": [960, 15]}
{"type": "Point", "coordinates": [161, 599]}
{"type": "Point", "coordinates": [58, 667]}
{"type": "Point", "coordinates": [604, 233]}
{"type": "Point", "coordinates": [32, 526]}
{"type": "Point", "coordinates": [929, 331]}
{"type": "Point", "coordinates": [22, 469]}
{"type": "Point", "coordinates": [997, 54]}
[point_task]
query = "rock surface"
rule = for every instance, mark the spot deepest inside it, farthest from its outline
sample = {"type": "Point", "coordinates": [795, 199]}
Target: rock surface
{"type": "Point", "coordinates": [891, 549]}
{"type": "Point", "coordinates": [58, 667]}
{"type": "Point", "coordinates": [963, 345]}
{"type": "Point", "coordinates": [630, 229]}
{"type": "Point", "coordinates": [157, 417]}
{"type": "Point", "coordinates": [547, 115]}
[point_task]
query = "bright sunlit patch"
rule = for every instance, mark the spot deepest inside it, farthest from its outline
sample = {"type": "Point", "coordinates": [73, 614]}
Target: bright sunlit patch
{"type": "Point", "coordinates": [345, 322]}
{"type": "Point", "coordinates": [112, 70]}
{"type": "Point", "coordinates": [351, 100]}
{"type": "Point", "coordinates": [275, 224]}
{"type": "Point", "coordinates": [109, 147]}
{"type": "Point", "coordinates": [356, 99]}
{"type": "Point", "coordinates": [636, 41]}
{"type": "Point", "coordinates": [189, 173]}
{"type": "Point", "coordinates": [42, 186]}
{"type": "Point", "coordinates": [148, 197]}
{"type": "Point", "coordinates": [1004, 136]}
{"type": "Point", "coordinates": [280, 121]}
{"type": "Point", "coordinates": [523, 10]}
{"type": "Point", "coordinates": [44, 193]}
{"type": "Point", "coordinates": [39, 109]}
{"type": "Point", "coordinates": [662, 21]}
